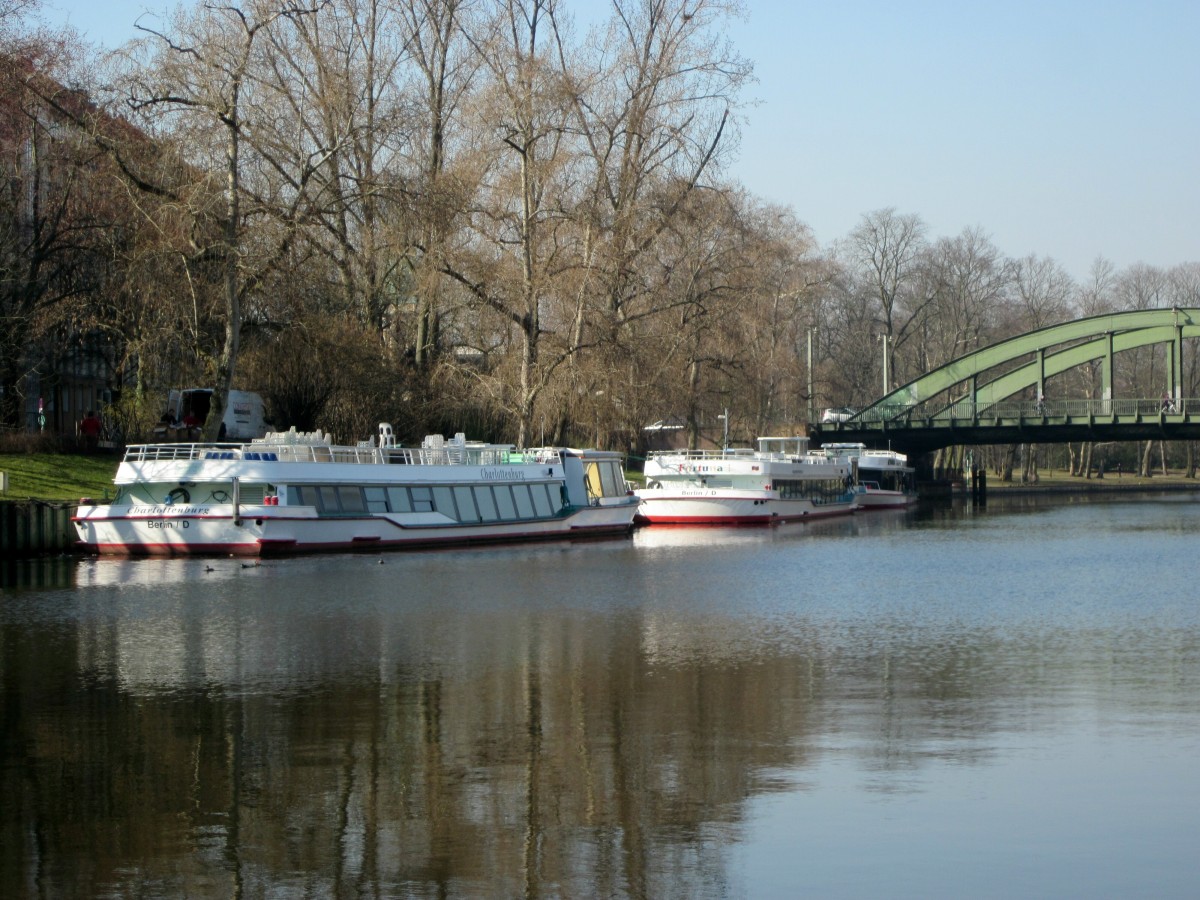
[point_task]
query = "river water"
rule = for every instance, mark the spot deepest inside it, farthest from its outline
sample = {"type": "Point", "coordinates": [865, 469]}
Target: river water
{"type": "Point", "coordinates": [946, 702]}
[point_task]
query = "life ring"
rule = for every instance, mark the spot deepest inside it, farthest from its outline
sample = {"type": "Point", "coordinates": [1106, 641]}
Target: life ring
{"type": "Point", "coordinates": [179, 495]}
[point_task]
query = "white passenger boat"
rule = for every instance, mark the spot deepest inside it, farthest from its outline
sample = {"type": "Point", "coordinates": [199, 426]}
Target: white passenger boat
{"type": "Point", "coordinates": [297, 492]}
{"type": "Point", "coordinates": [885, 479]}
{"type": "Point", "coordinates": [779, 481]}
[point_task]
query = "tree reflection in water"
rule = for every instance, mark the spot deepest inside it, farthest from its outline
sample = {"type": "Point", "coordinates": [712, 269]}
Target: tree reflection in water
{"type": "Point", "coordinates": [570, 721]}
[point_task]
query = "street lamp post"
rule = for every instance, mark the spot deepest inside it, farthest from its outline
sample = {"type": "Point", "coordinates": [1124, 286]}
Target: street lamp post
{"type": "Point", "coordinates": [725, 418]}
{"type": "Point", "coordinates": [885, 339]}
{"type": "Point", "coordinates": [812, 412]}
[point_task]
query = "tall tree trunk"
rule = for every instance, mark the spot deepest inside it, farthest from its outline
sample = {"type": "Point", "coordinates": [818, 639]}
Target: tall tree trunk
{"type": "Point", "coordinates": [1009, 460]}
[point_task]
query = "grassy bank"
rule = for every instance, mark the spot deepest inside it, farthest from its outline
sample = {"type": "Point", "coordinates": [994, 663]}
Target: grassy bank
{"type": "Point", "coordinates": [57, 476]}
{"type": "Point", "coordinates": [1059, 481]}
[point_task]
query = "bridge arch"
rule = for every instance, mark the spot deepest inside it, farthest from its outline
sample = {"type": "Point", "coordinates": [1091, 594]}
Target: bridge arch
{"type": "Point", "coordinates": [995, 395]}
{"type": "Point", "coordinates": [1005, 369]}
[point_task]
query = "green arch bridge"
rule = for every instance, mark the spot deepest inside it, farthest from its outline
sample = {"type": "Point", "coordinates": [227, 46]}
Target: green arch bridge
{"type": "Point", "coordinates": [992, 396]}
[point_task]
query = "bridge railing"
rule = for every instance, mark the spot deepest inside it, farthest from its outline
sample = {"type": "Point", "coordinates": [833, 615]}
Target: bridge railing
{"type": "Point", "coordinates": [909, 415]}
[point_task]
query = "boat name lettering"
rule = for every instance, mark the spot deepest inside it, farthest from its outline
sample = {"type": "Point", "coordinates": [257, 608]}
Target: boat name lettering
{"type": "Point", "coordinates": [168, 510]}
{"type": "Point", "coordinates": [501, 475]}
{"type": "Point", "coordinates": [168, 523]}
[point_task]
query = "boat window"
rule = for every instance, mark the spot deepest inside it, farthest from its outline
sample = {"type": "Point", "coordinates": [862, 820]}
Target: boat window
{"type": "Point", "coordinates": [504, 501]}
{"type": "Point", "coordinates": [613, 478]}
{"type": "Point", "coordinates": [398, 499]}
{"type": "Point", "coordinates": [541, 499]}
{"type": "Point", "coordinates": [443, 501]}
{"type": "Point", "coordinates": [595, 488]}
{"type": "Point", "coordinates": [818, 490]}
{"type": "Point", "coordinates": [466, 504]}
{"type": "Point", "coordinates": [486, 503]}
{"type": "Point", "coordinates": [351, 498]}
{"type": "Point", "coordinates": [329, 500]}
{"type": "Point", "coordinates": [376, 499]}
{"type": "Point", "coordinates": [422, 499]}
{"type": "Point", "coordinates": [523, 500]}
{"type": "Point", "coordinates": [605, 478]}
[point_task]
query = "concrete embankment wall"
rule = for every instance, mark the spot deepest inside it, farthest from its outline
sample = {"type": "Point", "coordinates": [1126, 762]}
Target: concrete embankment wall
{"type": "Point", "coordinates": [36, 527]}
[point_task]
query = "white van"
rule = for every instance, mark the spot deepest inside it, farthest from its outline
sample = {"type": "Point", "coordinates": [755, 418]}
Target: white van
{"type": "Point", "coordinates": [244, 412]}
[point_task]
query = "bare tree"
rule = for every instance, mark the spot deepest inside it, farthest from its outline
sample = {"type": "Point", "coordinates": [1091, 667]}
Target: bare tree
{"type": "Point", "coordinates": [439, 37]}
{"type": "Point", "coordinates": [200, 82]}
{"type": "Point", "coordinates": [336, 125]}
{"type": "Point", "coordinates": [59, 204]}
{"type": "Point", "coordinates": [510, 267]}
{"type": "Point", "coordinates": [962, 298]}
{"type": "Point", "coordinates": [886, 248]}
{"type": "Point", "coordinates": [1042, 294]}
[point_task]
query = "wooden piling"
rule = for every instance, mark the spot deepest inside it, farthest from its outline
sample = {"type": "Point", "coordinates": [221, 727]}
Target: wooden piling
{"type": "Point", "coordinates": [36, 528]}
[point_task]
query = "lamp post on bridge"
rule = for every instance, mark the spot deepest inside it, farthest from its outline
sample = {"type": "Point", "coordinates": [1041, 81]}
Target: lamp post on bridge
{"type": "Point", "coordinates": [886, 339]}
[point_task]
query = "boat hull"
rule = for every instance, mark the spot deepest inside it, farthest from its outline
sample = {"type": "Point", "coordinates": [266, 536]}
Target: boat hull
{"type": "Point", "coordinates": [281, 531]}
{"type": "Point", "coordinates": [884, 499]}
{"type": "Point", "coordinates": [717, 507]}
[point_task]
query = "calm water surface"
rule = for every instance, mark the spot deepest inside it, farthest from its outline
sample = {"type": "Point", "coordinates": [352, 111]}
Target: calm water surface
{"type": "Point", "coordinates": [941, 703]}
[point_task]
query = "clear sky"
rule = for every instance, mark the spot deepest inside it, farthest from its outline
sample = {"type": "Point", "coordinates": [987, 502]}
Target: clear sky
{"type": "Point", "coordinates": [1061, 128]}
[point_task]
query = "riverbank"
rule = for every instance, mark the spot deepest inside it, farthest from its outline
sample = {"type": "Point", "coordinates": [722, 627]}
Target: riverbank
{"type": "Point", "coordinates": [57, 476]}
{"type": "Point", "coordinates": [1109, 483]}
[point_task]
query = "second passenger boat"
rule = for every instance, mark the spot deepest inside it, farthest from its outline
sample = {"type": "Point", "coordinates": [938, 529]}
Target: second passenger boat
{"type": "Point", "coordinates": [885, 480]}
{"type": "Point", "coordinates": [779, 481]}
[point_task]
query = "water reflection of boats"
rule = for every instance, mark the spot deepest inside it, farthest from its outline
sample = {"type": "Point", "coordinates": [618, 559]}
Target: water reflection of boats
{"type": "Point", "coordinates": [778, 481]}
{"type": "Point", "coordinates": [125, 572]}
{"type": "Point", "coordinates": [696, 536]}
{"type": "Point", "coordinates": [292, 493]}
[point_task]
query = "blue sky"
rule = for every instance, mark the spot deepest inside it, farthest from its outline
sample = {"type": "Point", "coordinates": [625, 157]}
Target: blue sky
{"type": "Point", "coordinates": [1060, 128]}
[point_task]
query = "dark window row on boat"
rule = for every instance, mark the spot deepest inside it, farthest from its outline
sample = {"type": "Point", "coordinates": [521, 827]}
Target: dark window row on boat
{"type": "Point", "coordinates": [463, 503]}
{"type": "Point", "coordinates": [826, 490]}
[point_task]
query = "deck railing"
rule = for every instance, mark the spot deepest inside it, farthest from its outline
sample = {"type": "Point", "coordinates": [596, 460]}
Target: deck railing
{"type": "Point", "coordinates": [966, 410]}
{"type": "Point", "coordinates": [488, 455]}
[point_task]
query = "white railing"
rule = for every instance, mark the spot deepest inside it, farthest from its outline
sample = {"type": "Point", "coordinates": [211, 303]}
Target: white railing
{"type": "Point", "coordinates": [704, 454]}
{"type": "Point", "coordinates": [487, 455]}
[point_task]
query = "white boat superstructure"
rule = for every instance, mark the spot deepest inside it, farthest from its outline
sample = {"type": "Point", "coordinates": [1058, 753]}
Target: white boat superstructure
{"type": "Point", "coordinates": [885, 479]}
{"type": "Point", "coordinates": [777, 481]}
{"type": "Point", "coordinates": [298, 492]}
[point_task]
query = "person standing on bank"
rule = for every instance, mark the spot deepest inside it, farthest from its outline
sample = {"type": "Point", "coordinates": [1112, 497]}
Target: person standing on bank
{"type": "Point", "coordinates": [89, 430]}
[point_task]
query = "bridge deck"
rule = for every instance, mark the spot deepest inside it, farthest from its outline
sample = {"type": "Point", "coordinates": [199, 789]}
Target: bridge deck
{"type": "Point", "coordinates": [915, 430]}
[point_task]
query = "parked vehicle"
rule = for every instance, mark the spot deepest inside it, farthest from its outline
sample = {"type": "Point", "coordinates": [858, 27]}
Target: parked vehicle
{"type": "Point", "coordinates": [838, 414]}
{"type": "Point", "coordinates": [245, 413]}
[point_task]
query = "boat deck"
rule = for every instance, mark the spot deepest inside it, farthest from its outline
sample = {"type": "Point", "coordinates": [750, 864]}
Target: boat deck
{"type": "Point", "coordinates": [464, 455]}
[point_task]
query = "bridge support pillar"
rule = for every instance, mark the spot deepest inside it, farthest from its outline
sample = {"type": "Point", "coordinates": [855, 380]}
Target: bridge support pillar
{"type": "Point", "coordinates": [979, 486]}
